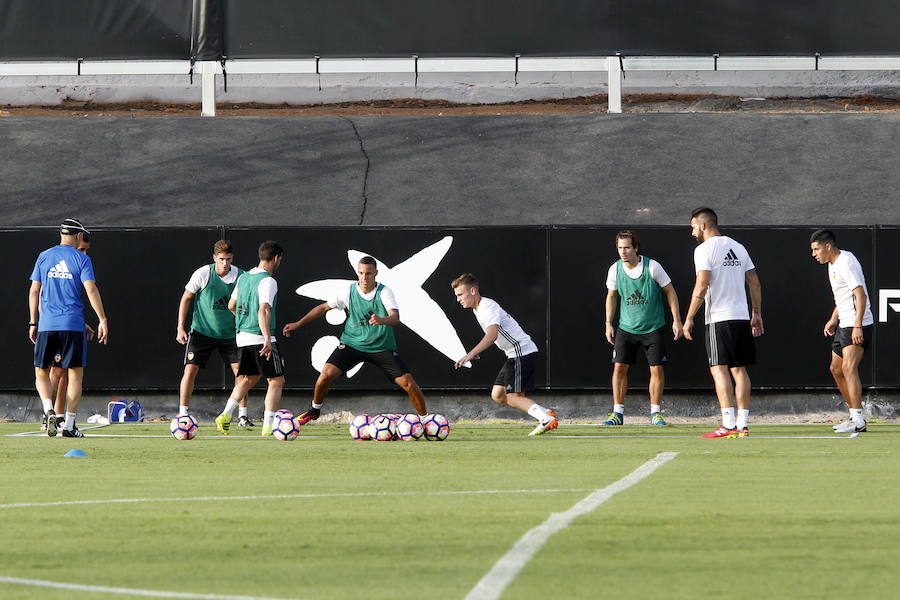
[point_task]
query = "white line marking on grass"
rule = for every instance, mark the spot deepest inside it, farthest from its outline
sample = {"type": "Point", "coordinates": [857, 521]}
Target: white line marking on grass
{"type": "Point", "coordinates": [44, 433]}
{"type": "Point", "coordinates": [505, 570]}
{"type": "Point", "coordinates": [690, 437]}
{"type": "Point", "coordinates": [123, 591]}
{"type": "Point", "coordinates": [292, 497]}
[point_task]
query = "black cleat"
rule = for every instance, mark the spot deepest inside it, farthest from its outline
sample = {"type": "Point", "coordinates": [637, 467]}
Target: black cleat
{"type": "Point", "coordinates": [52, 423]}
{"type": "Point", "coordinates": [75, 432]}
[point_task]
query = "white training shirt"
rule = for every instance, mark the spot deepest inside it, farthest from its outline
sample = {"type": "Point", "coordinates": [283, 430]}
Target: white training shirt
{"type": "Point", "coordinates": [658, 274]}
{"type": "Point", "coordinates": [845, 274]}
{"type": "Point", "coordinates": [200, 279]}
{"type": "Point", "coordinates": [341, 300]}
{"type": "Point", "coordinates": [267, 289]}
{"type": "Point", "coordinates": [727, 261]}
{"type": "Point", "coordinates": [510, 337]}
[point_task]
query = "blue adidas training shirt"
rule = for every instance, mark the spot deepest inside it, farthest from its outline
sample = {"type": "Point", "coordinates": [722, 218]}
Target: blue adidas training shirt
{"type": "Point", "coordinates": [62, 271]}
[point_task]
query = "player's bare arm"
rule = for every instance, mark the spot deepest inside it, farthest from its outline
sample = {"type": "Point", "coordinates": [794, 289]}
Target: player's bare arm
{"type": "Point", "coordinates": [698, 297]}
{"type": "Point", "coordinates": [490, 336]}
{"type": "Point", "coordinates": [316, 313]}
{"type": "Point", "coordinates": [183, 306]}
{"type": "Point", "coordinates": [859, 297]}
{"type": "Point", "coordinates": [93, 295]}
{"type": "Point", "coordinates": [672, 298]}
{"type": "Point", "coordinates": [612, 303]}
{"type": "Point", "coordinates": [264, 316]}
{"type": "Point", "coordinates": [392, 318]}
{"type": "Point", "coordinates": [755, 289]}
{"type": "Point", "coordinates": [831, 323]}
{"type": "Point", "coordinates": [34, 300]}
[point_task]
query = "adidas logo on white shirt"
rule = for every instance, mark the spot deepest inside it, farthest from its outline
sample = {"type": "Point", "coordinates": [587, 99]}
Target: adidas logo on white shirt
{"type": "Point", "coordinates": [60, 271]}
{"type": "Point", "coordinates": [731, 260]}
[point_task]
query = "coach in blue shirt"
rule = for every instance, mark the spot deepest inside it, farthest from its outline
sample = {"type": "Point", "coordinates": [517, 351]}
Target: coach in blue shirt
{"type": "Point", "coordinates": [56, 324]}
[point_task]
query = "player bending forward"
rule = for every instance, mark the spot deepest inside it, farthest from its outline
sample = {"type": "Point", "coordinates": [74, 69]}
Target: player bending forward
{"type": "Point", "coordinates": [851, 323]}
{"type": "Point", "coordinates": [368, 336]}
{"type": "Point", "coordinates": [516, 378]}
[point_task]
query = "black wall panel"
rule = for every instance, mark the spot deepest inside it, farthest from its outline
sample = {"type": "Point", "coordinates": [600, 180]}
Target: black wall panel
{"type": "Point", "coordinates": [95, 29]}
{"type": "Point", "coordinates": [887, 331]}
{"type": "Point", "coordinates": [287, 28]}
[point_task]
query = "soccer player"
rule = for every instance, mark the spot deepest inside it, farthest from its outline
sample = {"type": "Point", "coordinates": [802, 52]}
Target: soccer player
{"type": "Point", "coordinates": [638, 283]}
{"type": "Point", "coordinates": [516, 378]}
{"type": "Point", "coordinates": [851, 323]}
{"type": "Point", "coordinates": [56, 323]}
{"type": "Point", "coordinates": [59, 377]}
{"type": "Point", "coordinates": [254, 301]}
{"type": "Point", "coordinates": [368, 336]}
{"type": "Point", "coordinates": [723, 267]}
{"type": "Point", "coordinates": [212, 325]}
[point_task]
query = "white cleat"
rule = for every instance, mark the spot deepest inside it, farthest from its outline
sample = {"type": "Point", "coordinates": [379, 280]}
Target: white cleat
{"type": "Point", "coordinates": [850, 427]}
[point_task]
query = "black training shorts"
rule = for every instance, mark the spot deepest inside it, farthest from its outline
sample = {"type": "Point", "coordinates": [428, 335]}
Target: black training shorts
{"type": "Point", "coordinates": [653, 344]}
{"type": "Point", "coordinates": [199, 347]}
{"type": "Point", "coordinates": [842, 337]}
{"type": "Point", "coordinates": [730, 343]}
{"type": "Point", "coordinates": [345, 358]}
{"type": "Point", "coordinates": [251, 363]}
{"type": "Point", "coordinates": [517, 374]}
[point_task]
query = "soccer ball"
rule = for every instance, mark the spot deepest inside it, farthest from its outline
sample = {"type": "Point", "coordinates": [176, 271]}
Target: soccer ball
{"type": "Point", "coordinates": [359, 427]}
{"type": "Point", "coordinates": [183, 427]}
{"type": "Point", "coordinates": [284, 428]}
{"type": "Point", "coordinates": [437, 427]}
{"type": "Point", "coordinates": [382, 428]}
{"type": "Point", "coordinates": [410, 428]}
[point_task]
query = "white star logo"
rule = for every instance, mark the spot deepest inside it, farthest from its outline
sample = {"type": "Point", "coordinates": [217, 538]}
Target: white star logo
{"type": "Point", "coordinates": [417, 310]}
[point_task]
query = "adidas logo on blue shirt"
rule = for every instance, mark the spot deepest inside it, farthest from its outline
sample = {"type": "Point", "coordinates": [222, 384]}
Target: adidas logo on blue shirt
{"type": "Point", "coordinates": [60, 271]}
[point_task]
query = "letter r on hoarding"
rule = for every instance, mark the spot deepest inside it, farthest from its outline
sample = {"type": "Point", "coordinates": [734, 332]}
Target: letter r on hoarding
{"type": "Point", "coordinates": [883, 303]}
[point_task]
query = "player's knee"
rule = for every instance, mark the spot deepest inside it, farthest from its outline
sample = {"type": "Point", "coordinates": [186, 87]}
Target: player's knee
{"type": "Point", "coordinates": [329, 373]}
{"type": "Point", "coordinates": [837, 368]}
{"type": "Point", "coordinates": [276, 381]}
{"type": "Point", "coordinates": [498, 395]}
{"type": "Point", "coordinates": [620, 369]}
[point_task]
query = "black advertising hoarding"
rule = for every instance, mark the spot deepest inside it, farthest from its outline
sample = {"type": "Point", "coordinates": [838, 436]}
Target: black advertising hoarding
{"type": "Point", "coordinates": [95, 29]}
{"type": "Point", "coordinates": [354, 28]}
{"type": "Point", "coordinates": [551, 279]}
{"type": "Point", "coordinates": [884, 295]}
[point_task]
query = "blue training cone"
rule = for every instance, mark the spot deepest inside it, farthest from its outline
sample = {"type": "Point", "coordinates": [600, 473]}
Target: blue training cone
{"type": "Point", "coordinates": [75, 453]}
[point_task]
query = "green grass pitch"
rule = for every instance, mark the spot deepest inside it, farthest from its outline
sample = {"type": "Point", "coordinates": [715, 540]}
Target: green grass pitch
{"type": "Point", "coordinates": [791, 512]}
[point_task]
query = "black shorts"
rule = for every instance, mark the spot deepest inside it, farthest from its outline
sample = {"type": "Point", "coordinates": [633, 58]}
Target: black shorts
{"type": "Point", "coordinates": [345, 358]}
{"type": "Point", "coordinates": [199, 347]}
{"type": "Point", "coordinates": [730, 343]}
{"type": "Point", "coordinates": [653, 344]}
{"type": "Point", "coordinates": [517, 374]}
{"type": "Point", "coordinates": [842, 337]}
{"type": "Point", "coordinates": [251, 363]}
{"type": "Point", "coordinates": [66, 349]}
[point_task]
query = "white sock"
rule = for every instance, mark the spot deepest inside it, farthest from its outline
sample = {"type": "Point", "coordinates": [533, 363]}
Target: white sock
{"type": "Point", "coordinates": [856, 415]}
{"type": "Point", "coordinates": [182, 410]}
{"type": "Point", "coordinates": [619, 409]}
{"type": "Point", "coordinates": [242, 412]}
{"type": "Point", "coordinates": [268, 416]}
{"type": "Point", "coordinates": [728, 418]}
{"type": "Point", "coordinates": [539, 412]}
{"type": "Point", "coordinates": [48, 404]}
{"type": "Point", "coordinates": [743, 417]}
{"type": "Point", "coordinates": [70, 421]}
{"type": "Point", "coordinates": [230, 406]}
{"type": "Point", "coordinates": [654, 408]}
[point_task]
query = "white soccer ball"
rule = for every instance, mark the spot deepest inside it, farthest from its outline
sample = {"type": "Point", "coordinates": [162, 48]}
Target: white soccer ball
{"type": "Point", "coordinates": [410, 428]}
{"type": "Point", "coordinates": [284, 427]}
{"type": "Point", "coordinates": [184, 427]}
{"type": "Point", "coordinates": [437, 427]}
{"type": "Point", "coordinates": [359, 427]}
{"type": "Point", "coordinates": [382, 428]}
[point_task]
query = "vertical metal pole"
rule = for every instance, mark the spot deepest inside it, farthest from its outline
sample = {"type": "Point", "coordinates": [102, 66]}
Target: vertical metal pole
{"type": "Point", "coordinates": [614, 70]}
{"type": "Point", "coordinates": [208, 88]}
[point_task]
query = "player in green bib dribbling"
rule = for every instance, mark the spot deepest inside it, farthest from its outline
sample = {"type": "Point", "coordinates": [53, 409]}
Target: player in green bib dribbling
{"type": "Point", "coordinates": [368, 336]}
{"type": "Point", "coordinates": [636, 287]}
